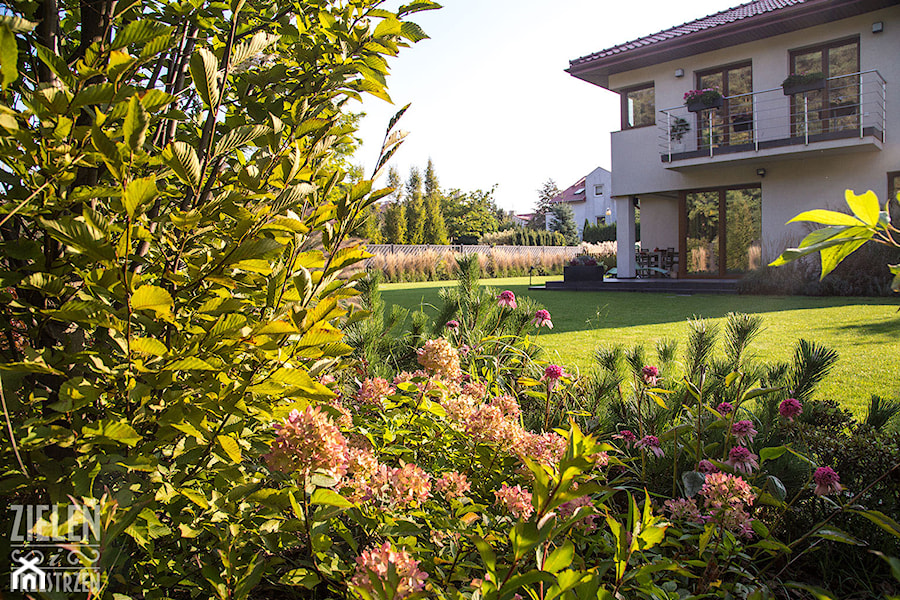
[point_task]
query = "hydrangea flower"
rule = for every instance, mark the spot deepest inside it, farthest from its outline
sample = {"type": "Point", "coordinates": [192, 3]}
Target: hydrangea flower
{"type": "Point", "coordinates": [684, 509]}
{"type": "Point", "coordinates": [726, 498]}
{"type": "Point", "coordinates": [373, 391]}
{"type": "Point", "coordinates": [506, 299]}
{"type": "Point", "coordinates": [308, 441]}
{"type": "Point", "coordinates": [743, 432]}
{"type": "Point", "coordinates": [440, 357]}
{"type": "Point", "coordinates": [406, 485]}
{"type": "Point", "coordinates": [651, 443]}
{"type": "Point", "coordinates": [542, 319]}
{"type": "Point", "coordinates": [827, 481]}
{"type": "Point", "coordinates": [546, 448]}
{"type": "Point", "coordinates": [452, 485]}
{"type": "Point", "coordinates": [651, 375]}
{"type": "Point", "coordinates": [377, 561]}
{"type": "Point", "coordinates": [516, 500]}
{"type": "Point", "coordinates": [742, 460]}
{"type": "Point", "coordinates": [790, 408]}
{"type": "Point", "coordinates": [725, 408]}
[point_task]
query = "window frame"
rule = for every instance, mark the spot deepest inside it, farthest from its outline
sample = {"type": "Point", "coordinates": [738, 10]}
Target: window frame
{"type": "Point", "coordinates": [623, 105]}
{"type": "Point", "coordinates": [725, 111]}
{"type": "Point", "coordinates": [823, 48]}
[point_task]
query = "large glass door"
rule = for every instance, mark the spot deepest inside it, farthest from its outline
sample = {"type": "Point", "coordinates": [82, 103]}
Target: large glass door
{"type": "Point", "coordinates": [733, 123]}
{"type": "Point", "coordinates": [721, 232]}
{"type": "Point", "coordinates": [835, 108]}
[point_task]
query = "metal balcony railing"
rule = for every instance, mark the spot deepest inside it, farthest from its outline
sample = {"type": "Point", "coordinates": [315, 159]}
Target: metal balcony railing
{"type": "Point", "coordinates": [848, 106]}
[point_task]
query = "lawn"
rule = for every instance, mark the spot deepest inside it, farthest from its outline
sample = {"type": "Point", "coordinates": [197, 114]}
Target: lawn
{"type": "Point", "coordinates": [864, 331]}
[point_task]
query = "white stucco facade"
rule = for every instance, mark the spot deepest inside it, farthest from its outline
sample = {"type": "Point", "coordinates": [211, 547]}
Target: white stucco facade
{"type": "Point", "coordinates": [590, 199]}
{"type": "Point", "coordinates": [792, 178]}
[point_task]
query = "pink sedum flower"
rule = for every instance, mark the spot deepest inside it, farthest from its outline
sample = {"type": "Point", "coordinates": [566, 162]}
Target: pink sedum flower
{"type": "Point", "coordinates": [516, 500]}
{"type": "Point", "coordinates": [452, 485]}
{"type": "Point", "coordinates": [827, 481]}
{"type": "Point", "coordinates": [790, 408]}
{"type": "Point", "coordinates": [725, 408]}
{"type": "Point", "coordinates": [506, 299]}
{"type": "Point", "coordinates": [651, 375]}
{"type": "Point", "coordinates": [542, 319]}
{"type": "Point", "coordinates": [308, 441]}
{"type": "Point", "coordinates": [742, 460]}
{"type": "Point", "coordinates": [743, 432]}
{"type": "Point", "coordinates": [651, 443]}
{"type": "Point", "coordinates": [376, 562]}
{"type": "Point", "coordinates": [440, 357]}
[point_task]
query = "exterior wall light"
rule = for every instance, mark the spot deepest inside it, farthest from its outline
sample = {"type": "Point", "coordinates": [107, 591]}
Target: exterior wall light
{"type": "Point", "coordinates": [877, 27]}
{"type": "Point", "coordinates": [680, 72]}
{"type": "Point", "coordinates": [761, 172]}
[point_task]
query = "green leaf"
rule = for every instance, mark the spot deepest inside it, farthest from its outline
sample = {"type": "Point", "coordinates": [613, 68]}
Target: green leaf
{"type": "Point", "coordinates": [138, 32]}
{"type": "Point", "coordinates": [17, 24]}
{"type": "Point", "coordinates": [239, 137]}
{"type": "Point", "coordinates": [817, 592]}
{"type": "Point", "coordinates": [148, 346]}
{"type": "Point", "coordinates": [182, 158]}
{"type": "Point", "coordinates": [139, 192]}
{"type": "Point", "coordinates": [300, 578]}
{"type": "Point", "coordinates": [890, 560]}
{"type": "Point", "coordinates": [190, 363]}
{"type": "Point", "coordinates": [693, 481]}
{"type": "Point", "coordinates": [135, 126]}
{"type": "Point", "coordinates": [488, 556]}
{"type": "Point", "coordinates": [865, 207]}
{"type": "Point", "coordinates": [256, 44]}
{"type": "Point", "coordinates": [560, 558]}
{"type": "Point", "coordinates": [775, 488]}
{"type": "Point", "coordinates": [881, 519]}
{"type": "Point", "coordinates": [204, 71]}
{"type": "Point", "coordinates": [111, 431]}
{"type": "Point", "coordinates": [836, 535]}
{"type": "Point", "coordinates": [826, 217]}
{"type": "Point", "coordinates": [152, 297]}
{"type": "Point", "coordinates": [771, 453]}
{"type": "Point", "coordinates": [832, 257]}
{"type": "Point", "coordinates": [231, 448]}
{"type": "Point", "coordinates": [9, 56]}
{"type": "Point", "coordinates": [80, 238]}
{"type": "Point", "coordinates": [412, 32]}
{"type": "Point", "coordinates": [326, 497]}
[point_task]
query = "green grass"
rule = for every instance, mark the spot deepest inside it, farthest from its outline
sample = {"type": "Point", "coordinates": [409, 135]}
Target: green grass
{"type": "Point", "coordinates": [864, 331]}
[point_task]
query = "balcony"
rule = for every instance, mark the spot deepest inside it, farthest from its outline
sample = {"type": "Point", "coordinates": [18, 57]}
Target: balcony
{"type": "Point", "coordinates": [847, 115]}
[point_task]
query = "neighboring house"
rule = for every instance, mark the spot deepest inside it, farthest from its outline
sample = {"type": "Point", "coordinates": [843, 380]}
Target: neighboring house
{"type": "Point", "coordinates": [719, 185]}
{"type": "Point", "coordinates": [521, 220]}
{"type": "Point", "coordinates": [590, 199]}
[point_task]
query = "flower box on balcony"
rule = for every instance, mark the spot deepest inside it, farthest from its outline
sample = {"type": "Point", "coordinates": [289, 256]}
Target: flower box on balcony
{"type": "Point", "coordinates": [742, 122]}
{"type": "Point", "coordinates": [843, 109]}
{"type": "Point", "coordinates": [700, 100]}
{"type": "Point", "coordinates": [802, 83]}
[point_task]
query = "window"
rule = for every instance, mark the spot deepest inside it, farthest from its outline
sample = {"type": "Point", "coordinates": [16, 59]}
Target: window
{"type": "Point", "coordinates": [733, 123]}
{"type": "Point", "coordinates": [638, 107]}
{"type": "Point", "coordinates": [835, 108]}
{"type": "Point", "coordinates": [893, 190]}
{"type": "Point", "coordinates": [598, 189]}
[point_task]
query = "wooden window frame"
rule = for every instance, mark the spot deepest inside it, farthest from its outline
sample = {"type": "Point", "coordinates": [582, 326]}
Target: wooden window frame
{"type": "Point", "coordinates": [725, 111]}
{"type": "Point", "coordinates": [823, 48]}
{"type": "Point", "coordinates": [623, 105]}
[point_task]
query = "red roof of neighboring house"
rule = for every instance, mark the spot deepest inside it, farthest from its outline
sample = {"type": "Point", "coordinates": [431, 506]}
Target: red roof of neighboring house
{"type": "Point", "coordinates": [745, 23]}
{"type": "Point", "coordinates": [573, 193]}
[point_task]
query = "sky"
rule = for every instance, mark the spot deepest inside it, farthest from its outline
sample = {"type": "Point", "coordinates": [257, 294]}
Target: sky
{"type": "Point", "coordinates": [491, 101]}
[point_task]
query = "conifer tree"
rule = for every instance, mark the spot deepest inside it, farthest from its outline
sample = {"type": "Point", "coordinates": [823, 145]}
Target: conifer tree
{"type": "Point", "coordinates": [395, 223]}
{"type": "Point", "coordinates": [435, 230]}
{"type": "Point", "coordinates": [415, 208]}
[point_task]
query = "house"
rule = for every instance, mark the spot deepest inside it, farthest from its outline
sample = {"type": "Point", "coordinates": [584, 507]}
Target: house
{"type": "Point", "coordinates": [719, 185]}
{"type": "Point", "coordinates": [590, 200]}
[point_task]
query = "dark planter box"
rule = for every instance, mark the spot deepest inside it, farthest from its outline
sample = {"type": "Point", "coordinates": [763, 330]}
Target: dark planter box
{"type": "Point", "coordinates": [801, 88]}
{"type": "Point", "coordinates": [843, 110]}
{"type": "Point", "coordinates": [584, 273]}
{"type": "Point", "coordinates": [742, 122]}
{"type": "Point", "coordinates": [695, 106]}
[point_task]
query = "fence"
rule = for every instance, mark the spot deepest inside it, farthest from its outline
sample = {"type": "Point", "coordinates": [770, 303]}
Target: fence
{"type": "Point", "coordinates": [524, 251]}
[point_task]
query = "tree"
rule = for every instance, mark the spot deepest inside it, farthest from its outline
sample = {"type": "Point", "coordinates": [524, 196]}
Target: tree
{"type": "Point", "coordinates": [394, 228]}
{"type": "Point", "coordinates": [562, 219]}
{"type": "Point", "coordinates": [415, 208]}
{"type": "Point", "coordinates": [470, 215]}
{"type": "Point", "coordinates": [435, 228]}
{"type": "Point", "coordinates": [547, 192]}
{"type": "Point", "coordinates": [175, 226]}
{"type": "Point", "coordinates": [395, 183]}
{"type": "Point", "coordinates": [432, 187]}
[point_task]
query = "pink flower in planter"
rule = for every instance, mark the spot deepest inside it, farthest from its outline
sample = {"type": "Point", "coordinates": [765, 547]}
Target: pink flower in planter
{"type": "Point", "coordinates": [542, 319]}
{"type": "Point", "coordinates": [506, 299]}
{"type": "Point", "coordinates": [743, 432]}
{"type": "Point", "coordinates": [827, 481]}
{"type": "Point", "coordinates": [725, 408]}
{"type": "Point", "coordinates": [651, 443]}
{"type": "Point", "coordinates": [790, 408]}
{"type": "Point", "coordinates": [651, 375]}
{"type": "Point", "coordinates": [626, 436]}
{"type": "Point", "coordinates": [377, 562]}
{"type": "Point", "coordinates": [707, 467]}
{"type": "Point", "coordinates": [742, 460]}
{"type": "Point", "coordinates": [515, 499]}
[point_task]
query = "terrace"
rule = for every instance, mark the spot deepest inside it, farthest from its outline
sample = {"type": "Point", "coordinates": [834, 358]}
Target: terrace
{"type": "Point", "coordinates": [848, 114]}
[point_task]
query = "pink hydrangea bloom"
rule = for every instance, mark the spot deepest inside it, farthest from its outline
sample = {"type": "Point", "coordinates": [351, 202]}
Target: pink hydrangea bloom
{"type": "Point", "coordinates": [601, 459]}
{"type": "Point", "coordinates": [308, 441]}
{"type": "Point", "coordinates": [440, 357]}
{"type": "Point", "coordinates": [506, 299]}
{"type": "Point", "coordinates": [373, 391]}
{"type": "Point", "coordinates": [651, 375]}
{"type": "Point", "coordinates": [546, 448]}
{"type": "Point", "coordinates": [725, 408]}
{"type": "Point", "coordinates": [726, 498]}
{"type": "Point", "coordinates": [651, 443]}
{"type": "Point", "coordinates": [508, 405]}
{"type": "Point", "coordinates": [742, 460]}
{"type": "Point", "coordinates": [707, 467]}
{"type": "Point", "coordinates": [376, 562]}
{"type": "Point", "coordinates": [515, 499]}
{"type": "Point", "coordinates": [827, 481]}
{"type": "Point", "coordinates": [743, 432]}
{"type": "Point", "coordinates": [542, 319]}
{"type": "Point", "coordinates": [790, 408]}
{"type": "Point", "coordinates": [626, 436]}
{"type": "Point", "coordinates": [684, 509]}
{"type": "Point", "coordinates": [406, 485]}
{"type": "Point", "coordinates": [452, 485]}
